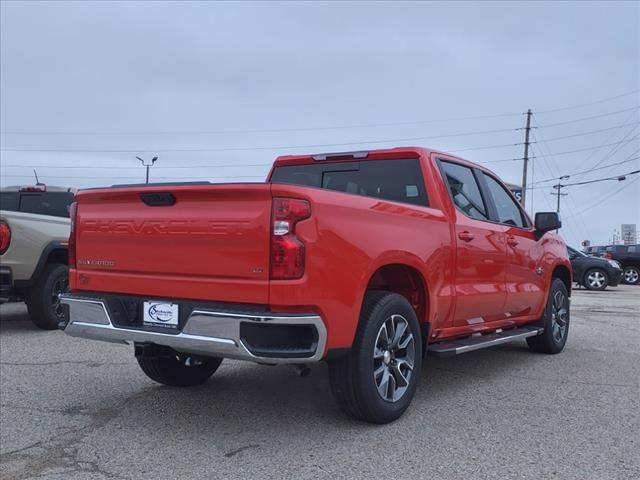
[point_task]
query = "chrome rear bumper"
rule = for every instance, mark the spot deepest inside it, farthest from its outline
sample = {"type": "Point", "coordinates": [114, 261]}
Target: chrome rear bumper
{"type": "Point", "coordinates": [206, 332]}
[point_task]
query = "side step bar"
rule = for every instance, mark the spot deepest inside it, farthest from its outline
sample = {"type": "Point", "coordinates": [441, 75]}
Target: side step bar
{"type": "Point", "coordinates": [469, 344]}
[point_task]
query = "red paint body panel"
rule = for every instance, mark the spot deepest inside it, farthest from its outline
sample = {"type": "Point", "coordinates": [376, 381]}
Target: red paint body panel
{"type": "Point", "coordinates": [213, 244]}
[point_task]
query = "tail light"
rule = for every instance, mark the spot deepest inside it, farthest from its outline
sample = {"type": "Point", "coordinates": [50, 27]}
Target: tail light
{"type": "Point", "coordinates": [287, 251]}
{"type": "Point", "coordinates": [72, 235]}
{"type": "Point", "coordinates": [5, 237]}
{"type": "Point", "coordinates": [608, 255]}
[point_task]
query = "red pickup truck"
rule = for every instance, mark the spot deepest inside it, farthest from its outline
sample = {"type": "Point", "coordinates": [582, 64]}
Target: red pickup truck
{"type": "Point", "coordinates": [364, 260]}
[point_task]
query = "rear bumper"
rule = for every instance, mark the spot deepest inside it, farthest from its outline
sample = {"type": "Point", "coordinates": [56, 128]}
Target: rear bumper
{"type": "Point", "coordinates": [208, 332]}
{"type": "Point", "coordinates": [6, 283]}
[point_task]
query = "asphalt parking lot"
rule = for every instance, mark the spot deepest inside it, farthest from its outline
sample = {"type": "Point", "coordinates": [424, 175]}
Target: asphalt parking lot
{"type": "Point", "coordinates": [76, 409]}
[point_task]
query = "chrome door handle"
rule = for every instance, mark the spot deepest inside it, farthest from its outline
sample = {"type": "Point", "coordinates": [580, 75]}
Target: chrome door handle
{"type": "Point", "coordinates": [466, 236]}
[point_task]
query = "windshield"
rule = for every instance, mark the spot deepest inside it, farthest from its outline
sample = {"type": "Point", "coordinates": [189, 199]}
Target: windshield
{"type": "Point", "coordinates": [576, 252]}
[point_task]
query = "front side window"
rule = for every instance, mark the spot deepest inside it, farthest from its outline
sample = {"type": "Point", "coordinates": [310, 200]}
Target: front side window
{"type": "Point", "coordinates": [465, 191]}
{"type": "Point", "coordinates": [507, 209]}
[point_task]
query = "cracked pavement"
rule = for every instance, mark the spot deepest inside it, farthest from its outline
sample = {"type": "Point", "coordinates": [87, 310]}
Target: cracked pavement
{"type": "Point", "coordinates": [76, 409]}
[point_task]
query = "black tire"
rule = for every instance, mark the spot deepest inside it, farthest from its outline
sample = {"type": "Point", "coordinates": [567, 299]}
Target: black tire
{"type": "Point", "coordinates": [42, 298]}
{"type": "Point", "coordinates": [352, 378]}
{"type": "Point", "coordinates": [554, 337]}
{"type": "Point", "coordinates": [596, 279]}
{"type": "Point", "coordinates": [631, 275]}
{"type": "Point", "coordinates": [179, 370]}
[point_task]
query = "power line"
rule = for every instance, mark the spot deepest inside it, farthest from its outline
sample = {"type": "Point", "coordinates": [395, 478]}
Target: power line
{"type": "Point", "coordinates": [553, 139]}
{"type": "Point", "coordinates": [593, 147]}
{"type": "Point", "coordinates": [268, 130]}
{"type": "Point", "coordinates": [590, 170]}
{"type": "Point", "coordinates": [580, 226]}
{"type": "Point", "coordinates": [589, 103]}
{"type": "Point", "coordinates": [616, 177]}
{"type": "Point", "coordinates": [159, 167]}
{"type": "Point", "coordinates": [277, 147]}
{"type": "Point", "coordinates": [606, 197]}
{"type": "Point", "coordinates": [132, 176]}
{"type": "Point", "coordinates": [614, 150]}
{"type": "Point", "coordinates": [303, 129]}
{"type": "Point", "coordinates": [583, 119]}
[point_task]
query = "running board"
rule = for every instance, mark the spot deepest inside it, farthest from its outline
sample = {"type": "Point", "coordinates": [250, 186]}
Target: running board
{"type": "Point", "coordinates": [469, 344]}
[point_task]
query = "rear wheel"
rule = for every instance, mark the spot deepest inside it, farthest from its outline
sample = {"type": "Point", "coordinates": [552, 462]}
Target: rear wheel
{"type": "Point", "coordinates": [42, 299]}
{"type": "Point", "coordinates": [179, 370]}
{"type": "Point", "coordinates": [631, 275]}
{"type": "Point", "coordinates": [555, 321]}
{"type": "Point", "coordinates": [376, 381]}
{"type": "Point", "coordinates": [596, 279]}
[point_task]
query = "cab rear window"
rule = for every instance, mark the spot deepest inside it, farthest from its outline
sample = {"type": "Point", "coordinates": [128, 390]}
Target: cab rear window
{"type": "Point", "coordinates": [55, 204]}
{"type": "Point", "coordinates": [395, 180]}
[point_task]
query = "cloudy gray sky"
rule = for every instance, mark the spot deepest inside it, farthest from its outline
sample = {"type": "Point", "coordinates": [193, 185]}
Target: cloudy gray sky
{"type": "Point", "coordinates": [217, 90]}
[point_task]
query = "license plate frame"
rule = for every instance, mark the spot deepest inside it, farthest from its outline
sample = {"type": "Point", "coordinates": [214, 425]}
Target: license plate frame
{"type": "Point", "coordinates": [156, 313]}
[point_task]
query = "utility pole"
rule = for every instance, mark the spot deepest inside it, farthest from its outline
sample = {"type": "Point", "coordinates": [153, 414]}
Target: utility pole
{"type": "Point", "coordinates": [148, 165]}
{"type": "Point", "coordinates": [558, 193]}
{"type": "Point", "coordinates": [525, 165]}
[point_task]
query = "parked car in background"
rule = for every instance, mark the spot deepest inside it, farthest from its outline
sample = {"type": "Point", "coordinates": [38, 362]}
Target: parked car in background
{"type": "Point", "coordinates": [594, 273]}
{"type": "Point", "coordinates": [361, 259]}
{"type": "Point", "coordinates": [34, 236]}
{"type": "Point", "coordinates": [595, 250]}
{"type": "Point", "coordinates": [629, 257]}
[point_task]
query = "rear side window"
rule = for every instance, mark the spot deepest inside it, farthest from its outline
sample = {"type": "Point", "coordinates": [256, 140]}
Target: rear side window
{"type": "Point", "coordinates": [507, 209]}
{"type": "Point", "coordinates": [55, 204]}
{"type": "Point", "coordinates": [395, 180]}
{"type": "Point", "coordinates": [9, 201]}
{"type": "Point", "coordinates": [465, 191]}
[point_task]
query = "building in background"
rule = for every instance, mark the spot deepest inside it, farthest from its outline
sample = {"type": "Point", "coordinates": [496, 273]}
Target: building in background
{"type": "Point", "coordinates": [515, 189]}
{"type": "Point", "coordinates": [628, 233]}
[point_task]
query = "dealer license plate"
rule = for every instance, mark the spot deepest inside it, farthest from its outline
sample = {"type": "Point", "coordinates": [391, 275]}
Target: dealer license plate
{"type": "Point", "coordinates": [160, 314]}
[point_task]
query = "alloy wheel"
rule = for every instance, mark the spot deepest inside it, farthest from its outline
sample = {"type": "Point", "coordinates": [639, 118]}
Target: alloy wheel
{"type": "Point", "coordinates": [596, 279]}
{"type": "Point", "coordinates": [59, 287]}
{"type": "Point", "coordinates": [559, 316]}
{"type": "Point", "coordinates": [631, 275]}
{"type": "Point", "coordinates": [393, 358]}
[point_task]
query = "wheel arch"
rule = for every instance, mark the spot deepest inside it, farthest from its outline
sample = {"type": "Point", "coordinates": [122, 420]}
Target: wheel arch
{"type": "Point", "coordinates": [564, 273]}
{"type": "Point", "coordinates": [54, 252]}
{"type": "Point", "coordinates": [408, 281]}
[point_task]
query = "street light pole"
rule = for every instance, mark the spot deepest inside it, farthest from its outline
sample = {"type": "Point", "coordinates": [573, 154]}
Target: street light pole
{"type": "Point", "coordinates": [148, 165]}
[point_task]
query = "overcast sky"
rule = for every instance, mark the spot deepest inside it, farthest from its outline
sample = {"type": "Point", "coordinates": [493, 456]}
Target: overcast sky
{"type": "Point", "coordinates": [242, 83]}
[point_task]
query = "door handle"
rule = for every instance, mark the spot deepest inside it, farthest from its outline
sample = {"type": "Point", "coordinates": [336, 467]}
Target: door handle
{"type": "Point", "coordinates": [511, 240]}
{"type": "Point", "coordinates": [466, 236]}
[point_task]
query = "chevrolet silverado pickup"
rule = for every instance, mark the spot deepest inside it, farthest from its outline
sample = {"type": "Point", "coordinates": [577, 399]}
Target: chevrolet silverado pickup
{"type": "Point", "coordinates": [365, 260]}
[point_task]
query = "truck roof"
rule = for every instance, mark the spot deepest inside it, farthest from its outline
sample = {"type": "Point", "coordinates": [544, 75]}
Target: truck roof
{"type": "Point", "coordinates": [396, 153]}
{"type": "Point", "coordinates": [37, 188]}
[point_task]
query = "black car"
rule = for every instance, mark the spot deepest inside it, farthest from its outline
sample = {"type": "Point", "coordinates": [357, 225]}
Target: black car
{"type": "Point", "coordinates": [596, 250]}
{"type": "Point", "coordinates": [629, 257]}
{"type": "Point", "coordinates": [594, 273]}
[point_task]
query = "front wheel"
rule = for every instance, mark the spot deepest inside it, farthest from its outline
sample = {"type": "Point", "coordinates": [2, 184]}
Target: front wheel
{"type": "Point", "coordinates": [555, 321]}
{"type": "Point", "coordinates": [376, 381]}
{"type": "Point", "coordinates": [631, 275]}
{"type": "Point", "coordinates": [178, 370]}
{"type": "Point", "coordinates": [596, 279]}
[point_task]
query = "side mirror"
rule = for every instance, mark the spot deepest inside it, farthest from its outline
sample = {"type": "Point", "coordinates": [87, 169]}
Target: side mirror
{"type": "Point", "coordinates": [547, 221]}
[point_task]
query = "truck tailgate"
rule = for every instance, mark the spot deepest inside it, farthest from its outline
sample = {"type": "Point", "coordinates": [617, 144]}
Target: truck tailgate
{"type": "Point", "coordinates": [206, 242]}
